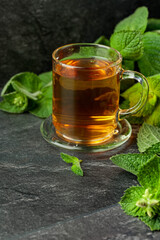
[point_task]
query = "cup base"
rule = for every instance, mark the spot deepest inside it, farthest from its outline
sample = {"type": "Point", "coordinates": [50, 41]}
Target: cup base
{"type": "Point", "coordinates": [121, 135]}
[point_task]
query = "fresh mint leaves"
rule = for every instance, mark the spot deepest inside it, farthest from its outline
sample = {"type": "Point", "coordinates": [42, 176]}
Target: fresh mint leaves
{"type": "Point", "coordinates": [148, 135]}
{"type": "Point", "coordinates": [128, 43]}
{"type": "Point", "coordinates": [144, 201]}
{"type": "Point", "coordinates": [28, 92]}
{"type": "Point", "coordinates": [149, 64]}
{"type": "Point", "coordinates": [76, 167]}
{"type": "Point", "coordinates": [151, 111]}
{"type": "Point", "coordinates": [135, 22]}
{"type": "Point", "coordinates": [131, 162]}
{"type": "Point", "coordinates": [14, 102]}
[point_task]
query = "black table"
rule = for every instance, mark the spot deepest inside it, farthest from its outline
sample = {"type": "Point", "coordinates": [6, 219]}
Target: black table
{"type": "Point", "coordinates": [40, 198]}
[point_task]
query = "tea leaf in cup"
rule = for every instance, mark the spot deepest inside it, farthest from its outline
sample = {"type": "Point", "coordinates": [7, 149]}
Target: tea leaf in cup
{"type": "Point", "coordinates": [136, 21]}
{"type": "Point", "coordinates": [128, 43]}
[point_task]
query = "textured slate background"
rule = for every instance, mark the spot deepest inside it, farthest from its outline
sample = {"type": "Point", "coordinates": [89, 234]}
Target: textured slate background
{"type": "Point", "coordinates": [31, 30]}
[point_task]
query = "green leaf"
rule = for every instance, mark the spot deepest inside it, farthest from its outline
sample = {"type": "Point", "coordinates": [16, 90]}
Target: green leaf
{"type": "Point", "coordinates": [43, 107]}
{"type": "Point", "coordinates": [14, 103]}
{"type": "Point", "coordinates": [149, 174]}
{"type": "Point", "coordinates": [149, 64]}
{"type": "Point", "coordinates": [102, 40]}
{"type": "Point", "coordinates": [8, 88]}
{"type": "Point", "coordinates": [154, 149]}
{"type": "Point", "coordinates": [137, 21]}
{"type": "Point", "coordinates": [130, 198]}
{"type": "Point", "coordinates": [154, 118]}
{"type": "Point", "coordinates": [133, 94]}
{"type": "Point", "coordinates": [153, 24]}
{"type": "Point", "coordinates": [131, 162]}
{"type": "Point", "coordinates": [22, 89]}
{"type": "Point", "coordinates": [148, 135]}
{"type": "Point", "coordinates": [68, 159]}
{"type": "Point", "coordinates": [153, 223]}
{"type": "Point", "coordinates": [154, 84]}
{"type": "Point", "coordinates": [135, 120]}
{"type": "Point", "coordinates": [128, 65]}
{"type": "Point", "coordinates": [128, 43]}
{"type": "Point", "coordinates": [125, 104]}
{"type": "Point", "coordinates": [28, 80]}
{"type": "Point", "coordinates": [46, 79]}
{"type": "Point", "coordinates": [77, 170]}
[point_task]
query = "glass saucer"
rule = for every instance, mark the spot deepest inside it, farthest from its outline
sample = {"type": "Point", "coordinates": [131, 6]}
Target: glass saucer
{"type": "Point", "coordinates": [123, 133]}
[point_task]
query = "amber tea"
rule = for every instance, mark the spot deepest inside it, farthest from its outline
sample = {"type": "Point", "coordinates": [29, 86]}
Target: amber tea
{"type": "Point", "coordinates": [85, 100]}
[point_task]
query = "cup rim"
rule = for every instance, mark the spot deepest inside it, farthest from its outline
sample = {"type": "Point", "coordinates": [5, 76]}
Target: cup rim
{"type": "Point", "coordinates": [117, 62]}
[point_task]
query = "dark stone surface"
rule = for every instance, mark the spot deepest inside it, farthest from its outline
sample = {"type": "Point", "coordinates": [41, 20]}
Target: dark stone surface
{"type": "Point", "coordinates": [31, 30]}
{"type": "Point", "coordinates": [40, 198]}
{"type": "Point", "coordinates": [109, 224]}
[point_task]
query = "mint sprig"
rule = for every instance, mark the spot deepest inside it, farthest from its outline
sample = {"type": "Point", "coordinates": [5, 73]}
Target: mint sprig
{"type": "Point", "coordinates": [148, 135]}
{"type": "Point", "coordinates": [76, 167]}
{"type": "Point", "coordinates": [144, 201]}
{"type": "Point", "coordinates": [28, 92]}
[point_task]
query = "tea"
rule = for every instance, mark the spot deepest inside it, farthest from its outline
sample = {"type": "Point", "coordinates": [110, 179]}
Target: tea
{"type": "Point", "coordinates": [85, 100]}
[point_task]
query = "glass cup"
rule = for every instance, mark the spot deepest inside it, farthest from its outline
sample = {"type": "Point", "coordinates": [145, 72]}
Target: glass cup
{"type": "Point", "coordinates": [86, 92]}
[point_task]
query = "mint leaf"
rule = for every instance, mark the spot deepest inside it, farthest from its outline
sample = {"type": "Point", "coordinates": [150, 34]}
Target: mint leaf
{"type": "Point", "coordinates": [22, 89]}
{"type": "Point", "coordinates": [128, 43]}
{"type": "Point", "coordinates": [154, 118]}
{"type": "Point", "coordinates": [153, 24]}
{"type": "Point", "coordinates": [154, 84]}
{"type": "Point", "coordinates": [28, 80]}
{"type": "Point", "coordinates": [102, 40]}
{"type": "Point", "coordinates": [153, 223]}
{"type": "Point", "coordinates": [14, 103]}
{"type": "Point", "coordinates": [149, 174]}
{"type": "Point", "coordinates": [130, 198]}
{"type": "Point", "coordinates": [128, 65]}
{"type": "Point", "coordinates": [135, 120]}
{"type": "Point", "coordinates": [149, 64]}
{"type": "Point", "coordinates": [154, 149]}
{"type": "Point", "coordinates": [76, 168]}
{"type": "Point", "coordinates": [8, 88]}
{"type": "Point", "coordinates": [125, 104]}
{"type": "Point", "coordinates": [148, 135]}
{"type": "Point", "coordinates": [46, 79]}
{"type": "Point", "coordinates": [133, 94]}
{"type": "Point", "coordinates": [137, 21]}
{"type": "Point", "coordinates": [43, 107]}
{"type": "Point", "coordinates": [131, 162]}
{"type": "Point", "coordinates": [68, 159]}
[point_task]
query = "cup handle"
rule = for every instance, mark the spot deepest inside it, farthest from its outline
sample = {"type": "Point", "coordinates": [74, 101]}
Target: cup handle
{"type": "Point", "coordinates": [127, 74]}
